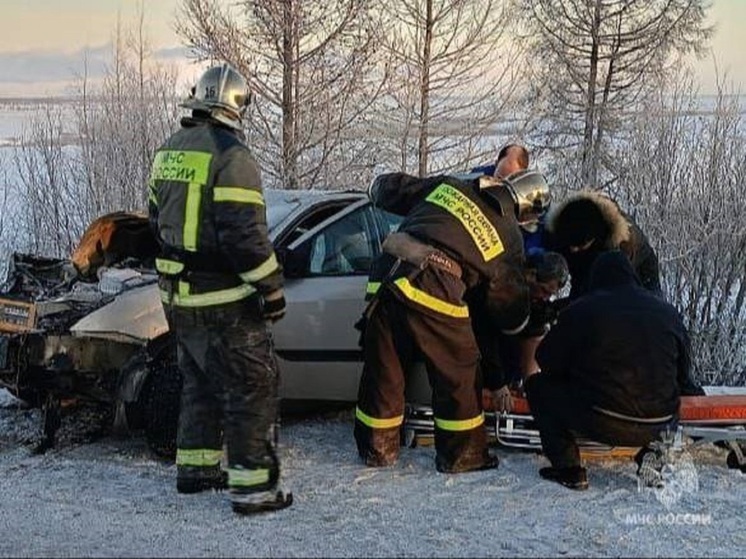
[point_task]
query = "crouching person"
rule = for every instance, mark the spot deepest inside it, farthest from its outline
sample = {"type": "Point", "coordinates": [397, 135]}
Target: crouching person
{"type": "Point", "coordinates": [456, 237]}
{"type": "Point", "coordinates": [612, 369]}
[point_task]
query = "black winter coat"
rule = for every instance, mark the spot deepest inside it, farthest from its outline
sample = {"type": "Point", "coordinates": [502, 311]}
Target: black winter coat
{"type": "Point", "coordinates": [626, 348]}
{"type": "Point", "coordinates": [624, 235]}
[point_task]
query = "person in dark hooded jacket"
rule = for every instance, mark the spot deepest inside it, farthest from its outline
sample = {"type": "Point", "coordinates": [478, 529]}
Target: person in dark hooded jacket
{"type": "Point", "coordinates": [613, 368]}
{"type": "Point", "coordinates": [587, 223]}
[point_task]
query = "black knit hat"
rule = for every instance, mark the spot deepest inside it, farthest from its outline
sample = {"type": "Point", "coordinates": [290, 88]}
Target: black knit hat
{"type": "Point", "coordinates": [580, 221]}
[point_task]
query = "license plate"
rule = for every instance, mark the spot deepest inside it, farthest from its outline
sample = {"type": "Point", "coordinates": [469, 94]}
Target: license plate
{"type": "Point", "coordinates": [17, 316]}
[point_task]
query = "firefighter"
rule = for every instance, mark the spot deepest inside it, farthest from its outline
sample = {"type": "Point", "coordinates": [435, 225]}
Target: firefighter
{"type": "Point", "coordinates": [221, 287]}
{"type": "Point", "coordinates": [456, 236]}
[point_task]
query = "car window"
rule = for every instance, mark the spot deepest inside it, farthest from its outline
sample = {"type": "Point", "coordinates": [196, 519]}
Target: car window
{"type": "Point", "coordinates": [345, 247]}
{"type": "Point", "coordinates": [389, 221]}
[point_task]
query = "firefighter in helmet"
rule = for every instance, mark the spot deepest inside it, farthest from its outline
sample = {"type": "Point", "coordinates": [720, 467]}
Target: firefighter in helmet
{"type": "Point", "coordinates": [221, 287]}
{"type": "Point", "coordinates": [457, 236]}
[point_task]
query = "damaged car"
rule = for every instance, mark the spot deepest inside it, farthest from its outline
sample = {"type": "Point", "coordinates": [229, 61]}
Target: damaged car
{"type": "Point", "coordinates": [92, 328]}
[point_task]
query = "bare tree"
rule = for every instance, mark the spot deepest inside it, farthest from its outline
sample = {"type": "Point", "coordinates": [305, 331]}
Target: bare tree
{"type": "Point", "coordinates": [455, 77]}
{"type": "Point", "coordinates": [43, 166]}
{"type": "Point", "coordinates": [681, 174]}
{"type": "Point", "coordinates": [597, 59]}
{"type": "Point", "coordinates": [92, 155]}
{"type": "Point", "coordinates": [310, 65]}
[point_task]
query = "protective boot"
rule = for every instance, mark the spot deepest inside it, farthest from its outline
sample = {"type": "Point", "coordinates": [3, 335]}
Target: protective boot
{"type": "Point", "coordinates": [486, 462]}
{"type": "Point", "coordinates": [379, 448]}
{"type": "Point", "coordinates": [244, 501]}
{"type": "Point", "coordinates": [574, 477]}
{"type": "Point", "coordinates": [194, 479]}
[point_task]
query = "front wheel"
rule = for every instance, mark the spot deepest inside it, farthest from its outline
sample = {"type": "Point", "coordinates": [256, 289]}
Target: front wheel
{"type": "Point", "coordinates": [161, 401]}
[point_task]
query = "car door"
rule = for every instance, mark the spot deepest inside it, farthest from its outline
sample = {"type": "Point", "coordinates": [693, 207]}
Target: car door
{"type": "Point", "coordinates": [326, 270]}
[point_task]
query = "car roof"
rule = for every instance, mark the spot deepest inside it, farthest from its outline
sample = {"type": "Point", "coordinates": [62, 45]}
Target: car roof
{"type": "Point", "coordinates": [280, 203]}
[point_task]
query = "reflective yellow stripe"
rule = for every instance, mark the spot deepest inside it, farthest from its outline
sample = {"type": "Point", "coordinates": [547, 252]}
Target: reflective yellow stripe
{"type": "Point", "coordinates": [192, 168]}
{"type": "Point", "coordinates": [191, 215]}
{"type": "Point", "coordinates": [247, 478]}
{"type": "Point", "coordinates": [184, 299]}
{"type": "Point", "coordinates": [234, 194]}
{"type": "Point", "coordinates": [459, 424]}
{"type": "Point", "coordinates": [480, 229]}
{"type": "Point", "coordinates": [198, 456]}
{"type": "Point", "coordinates": [376, 423]}
{"type": "Point", "coordinates": [181, 166]}
{"type": "Point", "coordinates": [151, 193]}
{"type": "Point", "coordinates": [168, 266]}
{"type": "Point", "coordinates": [262, 271]}
{"type": "Point", "coordinates": [427, 300]}
{"type": "Point", "coordinates": [372, 287]}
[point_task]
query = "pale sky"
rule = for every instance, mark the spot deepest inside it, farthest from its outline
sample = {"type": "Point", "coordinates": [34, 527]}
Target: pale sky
{"type": "Point", "coordinates": [43, 43]}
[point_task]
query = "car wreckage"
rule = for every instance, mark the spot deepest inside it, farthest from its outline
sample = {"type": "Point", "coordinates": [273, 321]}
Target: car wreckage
{"type": "Point", "coordinates": [91, 328]}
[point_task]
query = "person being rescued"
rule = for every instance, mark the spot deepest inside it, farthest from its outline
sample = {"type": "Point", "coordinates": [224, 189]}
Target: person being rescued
{"type": "Point", "coordinates": [613, 368]}
{"type": "Point", "coordinates": [506, 360]}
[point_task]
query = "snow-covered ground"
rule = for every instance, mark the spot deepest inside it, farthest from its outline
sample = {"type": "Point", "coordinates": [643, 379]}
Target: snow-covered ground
{"type": "Point", "coordinates": [113, 499]}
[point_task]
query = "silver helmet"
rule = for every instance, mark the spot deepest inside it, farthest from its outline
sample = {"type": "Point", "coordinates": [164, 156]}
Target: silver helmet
{"type": "Point", "coordinates": [223, 92]}
{"type": "Point", "coordinates": [530, 192]}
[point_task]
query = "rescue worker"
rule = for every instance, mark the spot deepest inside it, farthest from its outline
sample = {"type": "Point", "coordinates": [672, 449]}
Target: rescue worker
{"type": "Point", "coordinates": [457, 236]}
{"type": "Point", "coordinates": [587, 223]}
{"type": "Point", "coordinates": [613, 368]}
{"type": "Point", "coordinates": [221, 287]}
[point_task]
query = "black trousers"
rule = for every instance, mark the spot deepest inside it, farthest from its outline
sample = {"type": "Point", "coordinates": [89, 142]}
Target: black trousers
{"type": "Point", "coordinates": [561, 412]}
{"type": "Point", "coordinates": [230, 391]}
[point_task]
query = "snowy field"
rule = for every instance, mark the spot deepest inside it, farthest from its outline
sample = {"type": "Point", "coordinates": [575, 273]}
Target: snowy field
{"type": "Point", "coordinates": [111, 498]}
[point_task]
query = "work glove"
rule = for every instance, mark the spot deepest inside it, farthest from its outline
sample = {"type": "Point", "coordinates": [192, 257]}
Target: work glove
{"type": "Point", "coordinates": [543, 315]}
{"type": "Point", "coordinates": [273, 307]}
{"type": "Point", "coordinates": [502, 399]}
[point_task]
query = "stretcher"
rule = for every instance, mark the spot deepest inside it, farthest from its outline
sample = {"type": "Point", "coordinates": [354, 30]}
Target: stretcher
{"type": "Point", "coordinates": [718, 419]}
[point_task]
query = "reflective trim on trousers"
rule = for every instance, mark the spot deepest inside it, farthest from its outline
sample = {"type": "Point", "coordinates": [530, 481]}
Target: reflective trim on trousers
{"type": "Point", "coordinates": [240, 477]}
{"type": "Point", "coordinates": [459, 424]}
{"type": "Point", "coordinates": [198, 457]}
{"type": "Point", "coordinates": [377, 423]}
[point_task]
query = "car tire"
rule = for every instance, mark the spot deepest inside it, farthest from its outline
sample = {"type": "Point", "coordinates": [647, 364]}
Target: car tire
{"type": "Point", "coordinates": [160, 397]}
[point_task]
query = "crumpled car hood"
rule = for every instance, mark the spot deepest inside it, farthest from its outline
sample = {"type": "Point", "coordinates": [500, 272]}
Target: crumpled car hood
{"type": "Point", "coordinates": [135, 315]}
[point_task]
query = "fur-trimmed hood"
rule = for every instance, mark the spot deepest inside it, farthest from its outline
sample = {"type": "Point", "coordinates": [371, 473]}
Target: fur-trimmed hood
{"type": "Point", "coordinates": [612, 214]}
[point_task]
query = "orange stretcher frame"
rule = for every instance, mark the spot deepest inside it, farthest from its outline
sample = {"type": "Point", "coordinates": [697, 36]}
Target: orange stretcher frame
{"type": "Point", "coordinates": [719, 409]}
{"type": "Point", "coordinates": [717, 419]}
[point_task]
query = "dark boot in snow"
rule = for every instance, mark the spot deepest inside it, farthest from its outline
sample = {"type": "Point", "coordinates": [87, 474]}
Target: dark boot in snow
{"type": "Point", "coordinates": [254, 502]}
{"type": "Point", "coordinates": [574, 477]}
{"type": "Point", "coordinates": [488, 462]}
{"type": "Point", "coordinates": [191, 479]}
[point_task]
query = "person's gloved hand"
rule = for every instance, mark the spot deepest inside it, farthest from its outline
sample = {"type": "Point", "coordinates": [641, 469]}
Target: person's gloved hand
{"type": "Point", "coordinates": [503, 399]}
{"type": "Point", "coordinates": [274, 305]}
{"type": "Point", "coordinates": [543, 313]}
